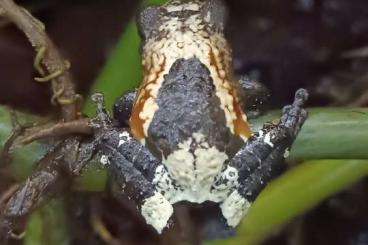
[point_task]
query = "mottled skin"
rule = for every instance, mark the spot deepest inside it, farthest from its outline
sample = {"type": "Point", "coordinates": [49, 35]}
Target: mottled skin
{"type": "Point", "coordinates": [189, 139]}
{"type": "Point", "coordinates": [188, 114]}
{"type": "Point", "coordinates": [188, 104]}
{"type": "Point", "coordinates": [185, 30]}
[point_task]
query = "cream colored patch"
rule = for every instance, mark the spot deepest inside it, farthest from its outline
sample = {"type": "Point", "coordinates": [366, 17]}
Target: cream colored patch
{"type": "Point", "coordinates": [163, 183]}
{"type": "Point", "coordinates": [194, 41]}
{"type": "Point", "coordinates": [180, 164]}
{"type": "Point", "coordinates": [156, 210]}
{"type": "Point", "coordinates": [194, 172]}
{"type": "Point", "coordinates": [124, 137]}
{"type": "Point", "coordinates": [286, 153]}
{"type": "Point", "coordinates": [209, 162]}
{"type": "Point", "coordinates": [267, 140]}
{"type": "Point", "coordinates": [105, 160]}
{"type": "Point", "coordinates": [231, 176]}
{"type": "Point", "coordinates": [181, 7]}
{"type": "Point", "coordinates": [224, 183]}
{"type": "Point", "coordinates": [234, 208]}
{"type": "Point", "coordinates": [147, 113]}
{"type": "Point", "coordinates": [125, 134]}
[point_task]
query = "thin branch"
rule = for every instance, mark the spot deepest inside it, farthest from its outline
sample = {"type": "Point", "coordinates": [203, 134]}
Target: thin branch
{"type": "Point", "coordinates": [7, 194]}
{"type": "Point", "coordinates": [80, 126]}
{"type": "Point", "coordinates": [17, 130]}
{"type": "Point", "coordinates": [62, 86]}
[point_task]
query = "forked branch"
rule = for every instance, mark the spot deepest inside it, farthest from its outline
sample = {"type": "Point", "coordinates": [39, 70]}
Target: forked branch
{"type": "Point", "coordinates": [56, 67]}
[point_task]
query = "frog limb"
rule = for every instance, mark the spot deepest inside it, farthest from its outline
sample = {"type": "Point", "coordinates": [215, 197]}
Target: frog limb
{"type": "Point", "coordinates": [254, 96]}
{"type": "Point", "coordinates": [132, 169]}
{"type": "Point", "coordinates": [260, 159]}
{"type": "Point", "coordinates": [123, 108]}
{"type": "Point", "coordinates": [128, 178]}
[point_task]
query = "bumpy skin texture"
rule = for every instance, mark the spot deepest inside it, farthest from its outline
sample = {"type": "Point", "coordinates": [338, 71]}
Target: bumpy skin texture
{"type": "Point", "coordinates": [123, 109]}
{"type": "Point", "coordinates": [187, 104]}
{"type": "Point", "coordinates": [189, 139]}
{"type": "Point", "coordinates": [185, 30]}
{"type": "Point", "coordinates": [188, 114]}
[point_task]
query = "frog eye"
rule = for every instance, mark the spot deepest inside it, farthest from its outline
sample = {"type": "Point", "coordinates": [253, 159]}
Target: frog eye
{"type": "Point", "coordinates": [149, 21]}
{"type": "Point", "coordinates": [215, 12]}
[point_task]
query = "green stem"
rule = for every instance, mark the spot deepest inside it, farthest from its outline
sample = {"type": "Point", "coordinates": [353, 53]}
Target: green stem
{"type": "Point", "coordinates": [122, 71]}
{"type": "Point", "coordinates": [296, 191]}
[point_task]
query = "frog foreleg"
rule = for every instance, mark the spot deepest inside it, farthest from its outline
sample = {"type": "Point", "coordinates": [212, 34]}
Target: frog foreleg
{"type": "Point", "coordinates": [123, 108]}
{"type": "Point", "coordinates": [260, 159]}
{"type": "Point", "coordinates": [254, 97]}
{"type": "Point", "coordinates": [133, 169]}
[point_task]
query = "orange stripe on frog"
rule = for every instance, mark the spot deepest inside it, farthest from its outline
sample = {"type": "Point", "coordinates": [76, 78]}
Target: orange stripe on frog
{"type": "Point", "coordinates": [136, 123]}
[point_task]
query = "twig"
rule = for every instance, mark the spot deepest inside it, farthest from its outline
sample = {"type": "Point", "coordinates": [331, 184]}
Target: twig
{"type": "Point", "coordinates": [80, 126]}
{"type": "Point", "coordinates": [5, 196]}
{"type": "Point", "coordinates": [62, 85]}
{"type": "Point", "coordinates": [17, 130]}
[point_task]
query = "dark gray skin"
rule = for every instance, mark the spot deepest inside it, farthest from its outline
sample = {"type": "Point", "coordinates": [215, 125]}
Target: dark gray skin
{"type": "Point", "coordinates": [188, 104]}
{"type": "Point", "coordinates": [256, 161]}
{"type": "Point", "coordinates": [187, 90]}
{"type": "Point", "coordinates": [255, 98]}
{"type": "Point", "coordinates": [132, 165]}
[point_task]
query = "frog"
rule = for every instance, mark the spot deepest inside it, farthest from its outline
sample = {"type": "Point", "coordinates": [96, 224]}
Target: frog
{"type": "Point", "coordinates": [184, 135]}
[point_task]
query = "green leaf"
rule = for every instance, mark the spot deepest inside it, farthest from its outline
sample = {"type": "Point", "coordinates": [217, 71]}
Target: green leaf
{"type": "Point", "coordinates": [22, 157]}
{"type": "Point", "coordinates": [48, 225]}
{"type": "Point", "coordinates": [295, 192]}
{"type": "Point", "coordinates": [122, 71]}
{"type": "Point", "coordinates": [33, 234]}
{"type": "Point", "coordinates": [329, 133]}
{"type": "Point", "coordinates": [93, 178]}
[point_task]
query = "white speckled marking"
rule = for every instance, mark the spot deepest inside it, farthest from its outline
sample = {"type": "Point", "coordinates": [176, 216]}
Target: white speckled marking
{"type": "Point", "coordinates": [124, 137]}
{"type": "Point", "coordinates": [187, 6]}
{"type": "Point", "coordinates": [287, 153]}
{"type": "Point", "coordinates": [156, 210]}
{"type": "Point", "coordinates": [192, 41]}
{"type": "Point", "coordinates": [164, 183]}
{"type": "Point", "coordinates": [225, 183]}
{"type": "Point", "coordinates": [105, 160]}
{"type": "Point", "coordinates": [198, 175]}
{"type": "Point", "coordinates": [180, 164]}
{"type": "Point", "coordinates": [260, 133]}
{"type": "Point", "coordinates": [267, 140]}
{"type": "Point", "coordinates": [234, 208]}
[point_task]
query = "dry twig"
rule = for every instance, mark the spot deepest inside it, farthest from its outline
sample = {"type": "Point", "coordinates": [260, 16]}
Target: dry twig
{"type": "Point", "coordinates": [6, 195]}
{"type": "Point", "coordinates": [80, 126]}
{"type": "Point", "coordinates": [56, 66]}
{"type": "Point", "coordinates": [16, 132]}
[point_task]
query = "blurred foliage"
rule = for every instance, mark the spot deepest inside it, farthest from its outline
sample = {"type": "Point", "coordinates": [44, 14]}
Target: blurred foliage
{"type": "Point", "coordinates": [48, 225]}
{"type": "Point", "coordinates": [22, 157]}
{"type": "Point", "coordinates": [122, 71]}
{"type": "Point", "coordinates": [298, 190]}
